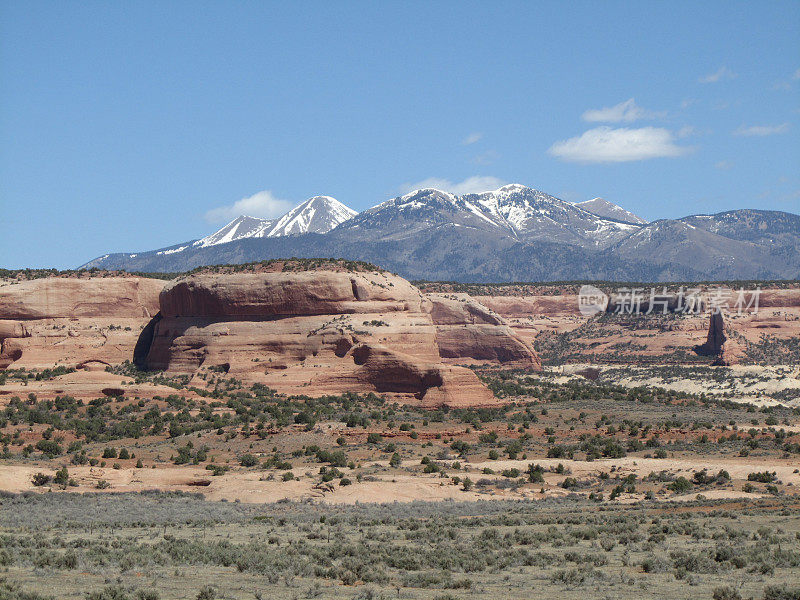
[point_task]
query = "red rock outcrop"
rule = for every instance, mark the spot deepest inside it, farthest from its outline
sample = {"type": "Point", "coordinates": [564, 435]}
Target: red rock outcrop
{"type": "Point", "coordinates": [715, 339]}
{"type": "Point", "coordinates": [288, 294]}
{"type": "Point", "coordinates": [312, 332]}
{"type": "Point", "coordinates": [65, 298]}
{"type": "Point", "coordinates": [467, 329]}
{"type": "Point", "coordinates": [67, 321]}
{"type": "Point", "coordinates": [560, 305]}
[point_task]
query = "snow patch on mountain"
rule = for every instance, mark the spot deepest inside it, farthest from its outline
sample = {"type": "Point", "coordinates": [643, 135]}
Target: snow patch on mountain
{"type": "Point", "coordinates": [319, 214]}
{"type": "Point", "coordinates": [604, 208]}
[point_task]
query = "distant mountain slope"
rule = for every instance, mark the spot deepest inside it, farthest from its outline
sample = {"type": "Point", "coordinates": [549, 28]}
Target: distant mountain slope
{"type": "Point", "coordinates": [319, 214]}
{"type": "Point", "coordinates": [604, 208]}
{"type": "Point", "coordinates": [240, 228]}
{"type": "Point", "coordinates": [514, 233]}
{"type": "Point", "coordinates": [718, 257]}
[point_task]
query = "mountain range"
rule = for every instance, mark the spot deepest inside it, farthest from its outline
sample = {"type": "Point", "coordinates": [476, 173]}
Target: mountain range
{"type": "Point", "coordinates": [514, 233]}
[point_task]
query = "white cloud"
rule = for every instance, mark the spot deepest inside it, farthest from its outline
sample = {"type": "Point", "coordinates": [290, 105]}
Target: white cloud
{"type": "Point", "coordinates": [762, 130]}
{"type": "Point", "coordinates": [605, 145]}
{"type": "Point", "coordinates": [472, 138]}
{"type": "Point", "coordinates": [486, 158]}
{"type": "Point", "coordinates": [686, 131]}
{"type": "Point", "coordinates": [261, 204]}
{"type": "Point", "coordinates": [626, 111]}
{"type": "Point", "coordinates": [723, 165]}
{"type": "Point", "coordinates": [796, 75]}
{"type": "Point", "coordinates": [471, 185]}
{"type": "Point", "coordinates": [719, 75]}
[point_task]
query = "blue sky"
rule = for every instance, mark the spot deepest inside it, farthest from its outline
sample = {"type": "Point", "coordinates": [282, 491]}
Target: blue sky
{"type": "Point", "coordinates": [134, 125]}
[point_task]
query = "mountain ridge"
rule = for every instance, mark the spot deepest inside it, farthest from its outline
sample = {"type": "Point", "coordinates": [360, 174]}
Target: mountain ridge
{"type": "Point", "coordinates": [514, 233]}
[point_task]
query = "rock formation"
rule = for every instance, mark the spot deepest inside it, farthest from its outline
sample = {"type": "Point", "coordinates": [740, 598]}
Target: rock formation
{"type": "Point", "coordinates": [73, 297]}
{"type": "Point", "coordinates": [715, 340]}
{"type": "Point", "coordinates": [328, 331]}
{"type": "Point", "coordinates": [71, 321]}
{"type": "Point", "coordinates": [467, 329]}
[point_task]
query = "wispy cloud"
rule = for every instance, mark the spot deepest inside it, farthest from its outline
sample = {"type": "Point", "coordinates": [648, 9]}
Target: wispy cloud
{"type": "Point", "coordinates": [472, 138]}
{"type": "Point", "coordinates": [720, 74]}
{"type": "Point", "coordinates": [262, 204]}
{"type": "Point", "coordinates": [486, 158]}
{"type": "Point", "coordinates": [787, 85]}
{"type": "Point", "coordinates": [723, 165]}
{"type": "Point", "coordinates": [607, 145]}
{"type": "Point", "coordinates": [470, 185]}
{"type": "Point", "coordinates": [762, 130]}
{"type": "Point", "coordinates": [627, 112]}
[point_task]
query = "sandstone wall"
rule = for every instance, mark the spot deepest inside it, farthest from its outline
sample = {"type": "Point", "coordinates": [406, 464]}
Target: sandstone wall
{"type": "Point", "coordinates": [322, 332]}
{"type": "Point", "coordinates": [68, 321]}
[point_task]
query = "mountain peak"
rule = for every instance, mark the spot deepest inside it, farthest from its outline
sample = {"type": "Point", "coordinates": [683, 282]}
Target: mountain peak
{"type": "Point", "coordinates": [512, 187]}
{"type": "Point", "coordinates": [242, 226]}
{"type": "Point", "coordinates": [429, 191]}
{"type": "Point", "coordinates": [609, 210]}
{"type": "Point", "coordinates": [318, 214]}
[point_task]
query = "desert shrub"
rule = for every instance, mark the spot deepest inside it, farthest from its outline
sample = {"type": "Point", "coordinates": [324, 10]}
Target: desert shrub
{"type": "Point", "coordinates": [656, 564]}
{"type": "Point", "coordinates": [726, 593]}
{"type": "Point", "coordinates": [62, 477]}
{"type": "Point", "coordinates": [49, 448]}
{"type": "Point", "coordinates": [781, 592]}
{"type": "Point", "coordinates": [207, 593]}
{"type": "Point", "coordinates": [535, 473]}
{"type": "Point", "coordinates": [681, 485]}
{"type": "Point", "coordinates": [248, 460]}
{"type": "Point", "coordinates": [764, 477]}
{"type": "Point", "coordinates": [40, 479]}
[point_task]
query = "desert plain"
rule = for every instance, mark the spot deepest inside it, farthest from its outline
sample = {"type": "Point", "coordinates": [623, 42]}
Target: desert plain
{"type": "Point", "coordinates": [320, 428]}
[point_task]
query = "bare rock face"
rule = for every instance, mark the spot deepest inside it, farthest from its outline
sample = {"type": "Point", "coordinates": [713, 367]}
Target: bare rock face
{"type": "Point", "coordinates": [312, 332]}
{"type": "Point", "coordinates": [465, 328]}
{"type": "Point", "coordinates": [68, 321]}
{"type": "Point", "coordinates": [715, 340]}
{"type": "Point", "coordinates": [524, 306]}
{"type": "Point", "coordinates": [288, 294]}
{"type": "Point", "coordinates": [63, 297]}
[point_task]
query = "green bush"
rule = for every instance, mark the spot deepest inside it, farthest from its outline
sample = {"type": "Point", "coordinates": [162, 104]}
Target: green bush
{"type": "Point", "coordinates": [40, 479]}
{"type": "Point", "coordinates": [50, 448]}
{"type": "Point", "coordinates": [248, 460]}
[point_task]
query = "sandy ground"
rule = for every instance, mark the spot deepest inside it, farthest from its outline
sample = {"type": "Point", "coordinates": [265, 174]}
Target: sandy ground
{"type": "Point", "coordinates": [392, 486]}
{"type": "Point", "coordinates": [748, 383]}
{"type": "Point", "coordinates": [85, 385]}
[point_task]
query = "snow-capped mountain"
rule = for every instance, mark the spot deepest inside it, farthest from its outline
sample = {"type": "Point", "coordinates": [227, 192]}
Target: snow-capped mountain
{"type": "Point", "coordinates": [534, 215]}
{"type": "Point", "coordinates": [609, 210]}
{"type": "Point", "coordinates": [514, 211]}
{"type": "Point", "coordinates": [319, 214]}
{"type": "Point", "coordinates": [420, 210]}
{"type": "Point", "coordinates": [514, 233]}
{"type": "Point", "coordinates": [240, 228]}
